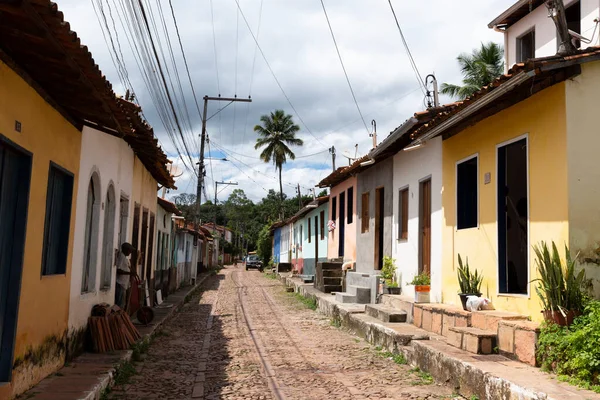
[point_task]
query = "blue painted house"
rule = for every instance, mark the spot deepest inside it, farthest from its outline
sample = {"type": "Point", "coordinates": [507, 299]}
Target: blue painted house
{"type": "Point", "coordinates": [313, 219]}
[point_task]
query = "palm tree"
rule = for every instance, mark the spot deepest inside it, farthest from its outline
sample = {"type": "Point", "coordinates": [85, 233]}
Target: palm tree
{"type": "Point", "coordinates": [277, 133]}
{"type": "Point", "coordinates": [478, 69]}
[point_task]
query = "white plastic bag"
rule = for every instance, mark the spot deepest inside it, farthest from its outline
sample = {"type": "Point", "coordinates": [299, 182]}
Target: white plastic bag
{"type": "Point", "coordinates": [475, 303]}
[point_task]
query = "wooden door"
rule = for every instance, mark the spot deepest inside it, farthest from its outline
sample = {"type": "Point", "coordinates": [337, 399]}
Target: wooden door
{"type": "Point", "coordinates": [379, 214]}
{"type": "Point", "coordinates": [425, 227]}
{"type": "Point", "coordinates": [15, 175]}
{"type": "Point", "coordinates": [316, 239]}
{"type": "Point", "coordinates": [342, 225]}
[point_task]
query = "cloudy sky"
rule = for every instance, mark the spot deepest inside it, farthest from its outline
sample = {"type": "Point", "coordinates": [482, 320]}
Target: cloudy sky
{"type": "Point", "coordinates": [297, 44]}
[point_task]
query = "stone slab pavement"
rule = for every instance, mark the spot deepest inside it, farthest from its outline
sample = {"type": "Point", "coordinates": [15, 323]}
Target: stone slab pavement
{"type": "Point", "coordinates": [88, 375]}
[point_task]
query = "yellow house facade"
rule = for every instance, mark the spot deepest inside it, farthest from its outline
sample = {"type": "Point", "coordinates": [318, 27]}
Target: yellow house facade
{"type": "Point", "coordinates": [518, 169]}
{"type": "Point", "coordinates": [34, 137]}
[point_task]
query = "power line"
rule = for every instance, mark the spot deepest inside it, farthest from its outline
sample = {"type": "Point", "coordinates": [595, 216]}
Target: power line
{"type": "Point", "coordinates": [343, 67]}
{"type": "Point", "coordinates": [252, 72]}
{"type": "Point", "coordinates": [212, 18]}
{"type": "Point", "coordinates": [274, 76]}
{"type": "Point", "coordinates": [410, 57]}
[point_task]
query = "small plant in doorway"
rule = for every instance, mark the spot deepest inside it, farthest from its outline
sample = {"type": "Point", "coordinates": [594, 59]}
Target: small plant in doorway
{"type": "Point", "coordinates": [469, 282]}
{"type": "Point", "coordinates": [388, 274]}
{"type": "Point", "coordinates": [422, 284]}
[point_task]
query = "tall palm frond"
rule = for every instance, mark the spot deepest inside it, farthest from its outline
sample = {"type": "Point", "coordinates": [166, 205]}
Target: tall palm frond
{"type": "Point", "coordinates": [479, 69]}
{"type": "Point", "coordinates": [277, 132]}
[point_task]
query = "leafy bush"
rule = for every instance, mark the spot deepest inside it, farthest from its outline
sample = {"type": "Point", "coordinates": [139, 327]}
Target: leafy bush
{"type": "Point", "coordinates": [470, 283]}
{"type": "Point", "coordinates": [559, 287]}
{"type": "Point", "coordinates": [263, 248]}
{"type": "Point", "coordinates": [573, 351]}
{"type": "Point", "coordinates": [420, 280]}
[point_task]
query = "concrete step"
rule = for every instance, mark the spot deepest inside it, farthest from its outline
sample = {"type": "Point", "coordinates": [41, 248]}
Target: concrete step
{"type": "Point", "coordinates": [330, 265]}
{"type": "Point", "coordinates": [518, 340]}
{"type": "Point", "coordinates": [385, 314]}
{"type": "Point", "coordinates": [488, 319]}
{"type": "Point", "coordinates": [332, 288]}
{"type": "Point", "coordinates": [400, 303]}
{"type": "Point", "coordinates": [363, 294]}
{"type": "Point", "coordinates": [307, 278]}
{"type": "Point", "coordinates": [337, 260]}
{"type": "Point", "coordinates": [473, 340]}
{"type": "Point", "coordinates": [332, 281]}
{"type": "Point", "coordinates": [332, 273]}
{"type": "Point", "coordinates": [344, 297]}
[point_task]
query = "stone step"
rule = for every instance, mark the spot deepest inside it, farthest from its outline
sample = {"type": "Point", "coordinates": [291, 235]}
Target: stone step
{"type": "Point", "coordinates": [332, 273]}
{"type": "Point", "coordinates": [473, 340]}
{"type": "Point", "coordinates": [363, 294]}
{"type": "Point", "coordinates": [307, 278]}
{"type": "Point", "coordinates": [518, 340]}
{"type": "Point", "coordinates": [399, 303]}
{"type": "Point", "coordinates": [344, 297]}
{"type": "Point", "coordinates": [332, 281]}
{"type": "Point", "coordinates": [337, 260]}
{"type": "Point", "coordinates": [385, 314]}
{"type": "Point", "coordinates": [332, 288]}
{"type": "Point", "coordinates": [488, 319]}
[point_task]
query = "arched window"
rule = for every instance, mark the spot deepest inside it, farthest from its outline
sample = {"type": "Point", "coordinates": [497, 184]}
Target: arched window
{"type": "Point", "coordinates": [90, 252]}
{"type": "Point", "coordinates": [108, 240]}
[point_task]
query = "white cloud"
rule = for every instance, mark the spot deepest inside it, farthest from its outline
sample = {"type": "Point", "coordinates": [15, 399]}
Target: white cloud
{"type": "Point", "coordinates": [296, 40]}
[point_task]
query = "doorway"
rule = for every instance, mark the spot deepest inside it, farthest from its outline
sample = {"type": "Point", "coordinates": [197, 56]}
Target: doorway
{"type": "Point", "coordinates": [379, 215]}
{"type": "Point", "coordinates": [342, 223]}
{"type": "Point", "coordinates": [151, 229]}
{"type": "Point", "coordinates": [135, 239]}
{"type": "Point", "coordinates": [143, 253]}
{"type": "Point", "coordinates": [15, 175]}
{"type": "Point", "coordinates": [316, 239]}
{"type": "Point", "coordinates": [425, 227]}
{"type": "Point", "coordinates": [123, 214]}
{"type": "Point", "coordinates": [513, 217]}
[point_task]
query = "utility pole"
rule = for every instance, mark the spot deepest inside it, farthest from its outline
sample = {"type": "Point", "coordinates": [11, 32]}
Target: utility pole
{"type": "Point", "coordinates": [299, 198]}
{"type": "Point", "coordinates": [556, 11]}
{"type": "Point", "coordinates": [215, 216]}
{"type": "Point", "coordinates": [202, 141]}
{"type": "Point", "coordinates": [374, 134]}
{"type": "Point", "coordinates": [332, 152]}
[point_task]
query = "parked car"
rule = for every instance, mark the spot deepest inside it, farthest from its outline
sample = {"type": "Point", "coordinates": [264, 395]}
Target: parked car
{"type": "Point", "coordinates": [252, 261]}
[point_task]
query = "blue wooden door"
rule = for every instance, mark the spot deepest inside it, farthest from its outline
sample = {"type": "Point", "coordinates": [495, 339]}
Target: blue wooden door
{"type": "Point", "coordinates": [15, 175]}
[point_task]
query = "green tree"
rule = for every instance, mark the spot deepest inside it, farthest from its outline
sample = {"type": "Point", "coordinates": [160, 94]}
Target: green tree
{"type": "Point", "coordinates": [276, 134]}
{"type": "Point", "coordinates": [479, 69]}
{"type": "Point", "coordinates": [264, 243]}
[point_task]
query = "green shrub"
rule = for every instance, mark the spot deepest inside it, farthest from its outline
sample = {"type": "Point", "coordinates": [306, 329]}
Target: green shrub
{"type": "Point", "coordinates": [573, 352]}
{"type": "Point", "coordinates": [420, 280]}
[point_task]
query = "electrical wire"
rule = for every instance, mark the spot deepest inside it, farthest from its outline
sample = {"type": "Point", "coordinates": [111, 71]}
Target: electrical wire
{"type": "Point", "coordinates": [252, 72]}
{"type": "Point", "coordinates": [212, 19]}
{"type": "Point", "coordinates": [343, 67]}
{"type": "Point", "coordinates": [275, 76]}
{"type": "Point", "coordinates": [410, 57]}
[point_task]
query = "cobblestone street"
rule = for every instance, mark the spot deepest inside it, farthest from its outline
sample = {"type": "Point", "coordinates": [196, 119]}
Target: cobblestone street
{"type": "Point", "coordinates": [244, 337]}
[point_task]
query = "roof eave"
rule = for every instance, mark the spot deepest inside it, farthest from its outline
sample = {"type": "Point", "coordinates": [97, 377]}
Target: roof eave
{"type": "Point", "coordinates": [397, 134]}
{"type": "Point", "coordinates": [475, 106]}
{"type": "Point", "coordinates": [506, 14]}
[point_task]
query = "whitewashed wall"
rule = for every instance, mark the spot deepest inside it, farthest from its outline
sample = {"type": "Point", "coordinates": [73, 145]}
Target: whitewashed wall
{"type": "Point", "coordinates": [112, 159]}
{"type": "Point", "coordinates": [410, 168]}
{"type": "Point", "coordinates": [545, 30]}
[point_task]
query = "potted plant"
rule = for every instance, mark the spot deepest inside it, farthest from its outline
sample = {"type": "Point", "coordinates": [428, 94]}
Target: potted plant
{"type": "Point", "coordinates": [422, 283]}
{"type": "Point", "coordinates": [388, 274]}
{"type": "Point", "coordinates": [559, 287]}
{"type": "Point", "coordinates": [469, 283]}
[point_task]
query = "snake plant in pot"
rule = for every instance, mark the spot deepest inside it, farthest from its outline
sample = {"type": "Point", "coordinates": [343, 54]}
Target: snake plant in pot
{"type": "Point", "coordinates": [469, 282]}
{"type": "Point", "coordinates": [559, 287]}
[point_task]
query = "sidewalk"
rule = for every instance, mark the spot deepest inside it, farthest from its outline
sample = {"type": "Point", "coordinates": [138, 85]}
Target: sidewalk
{"type": "Point", "coordinates": [88, 375]}
{"type": "Point", "coordinates": [485, 376]}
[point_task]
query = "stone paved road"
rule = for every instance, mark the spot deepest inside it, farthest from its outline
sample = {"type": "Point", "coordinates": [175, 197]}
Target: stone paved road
{"type": "Point", "coordinates": [243, 337]}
